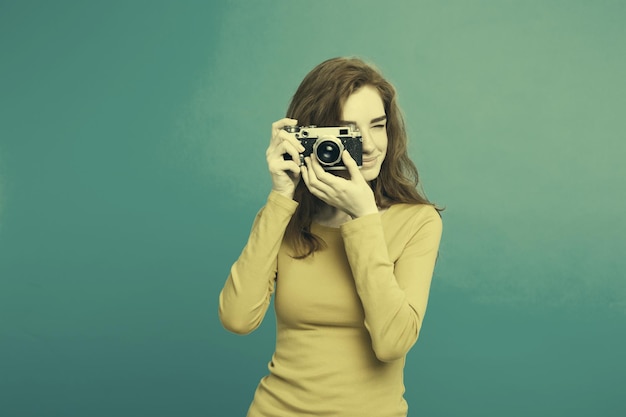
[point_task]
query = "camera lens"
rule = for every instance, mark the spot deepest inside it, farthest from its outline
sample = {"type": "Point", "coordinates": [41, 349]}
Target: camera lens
{"type": "Point", "coordinates": [328, 151]}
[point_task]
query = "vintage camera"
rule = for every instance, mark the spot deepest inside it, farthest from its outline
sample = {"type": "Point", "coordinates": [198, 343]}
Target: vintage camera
{"type": "Point", "coordinates": [328, 143]}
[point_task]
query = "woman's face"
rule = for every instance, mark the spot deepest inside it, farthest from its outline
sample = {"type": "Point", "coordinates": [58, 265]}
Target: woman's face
{"type": "Point", "coordinates": [365, 109]}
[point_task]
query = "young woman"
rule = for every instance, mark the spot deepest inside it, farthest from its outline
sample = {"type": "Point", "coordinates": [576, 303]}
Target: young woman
{"type": "Point", "coordinates": [349, 254]}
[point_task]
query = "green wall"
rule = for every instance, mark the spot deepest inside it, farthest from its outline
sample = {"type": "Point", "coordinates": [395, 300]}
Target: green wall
{"type": "Point", "coordinates": [132, 138]}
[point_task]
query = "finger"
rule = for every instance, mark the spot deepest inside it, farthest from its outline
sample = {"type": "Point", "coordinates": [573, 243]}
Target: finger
{"type": "Point", "coordinates": [315, 183]}
{"type": "Point", "coordinates": [351, 164]}
{"type": "Point", "coordinates": [304, 173]}
{"type": "Point", "coordinates": [291, 138]}
{"type": "Point", "coordinates": [309, 180]}
{"type": "Point", "coordinates": [286, 121]}
{"type": "Point", "coordinates": [287, 165]}
{"type": "Point", "coordinates": [321, 174]}
{"type": "Point", "coordinates": [278, 125]}
{"type": "Point", "coordinates": [285, 137]}
{"type": "Point", "coordinates": [282, 148]}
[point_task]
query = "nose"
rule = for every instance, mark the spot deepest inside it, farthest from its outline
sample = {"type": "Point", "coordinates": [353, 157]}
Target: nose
{"type": "Point", "coordinates": [368, 144]}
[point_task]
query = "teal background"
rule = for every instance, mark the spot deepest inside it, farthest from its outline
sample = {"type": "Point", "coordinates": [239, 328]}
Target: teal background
{"type": "Point", "coordinates": [132, 138]}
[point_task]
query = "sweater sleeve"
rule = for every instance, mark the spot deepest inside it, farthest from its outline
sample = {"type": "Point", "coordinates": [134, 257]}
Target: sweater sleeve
{"type": "Point", "coordinates": [246, 295]}
{"type": "Point", "coordinates": [394, 296]}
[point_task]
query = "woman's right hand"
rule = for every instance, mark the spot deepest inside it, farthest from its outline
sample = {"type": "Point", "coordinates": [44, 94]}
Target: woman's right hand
{"type": "Point", "coordinates": [285, 173]}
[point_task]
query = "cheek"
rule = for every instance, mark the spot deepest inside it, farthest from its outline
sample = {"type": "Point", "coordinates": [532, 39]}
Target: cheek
{"type": "Point", "coordinates": [380, 140]}
{"type": "Point", "coordinates": [383, 145]}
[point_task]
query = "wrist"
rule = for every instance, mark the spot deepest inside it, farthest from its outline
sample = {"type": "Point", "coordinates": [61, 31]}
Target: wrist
{"type": "Point", "coordinates": [364, 212]}
{"type": "Point", "coordinates": [286, 193]}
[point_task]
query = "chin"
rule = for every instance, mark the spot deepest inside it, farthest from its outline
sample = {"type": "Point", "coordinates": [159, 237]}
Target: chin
{"type": "Point", "coordinates": [370, 174]}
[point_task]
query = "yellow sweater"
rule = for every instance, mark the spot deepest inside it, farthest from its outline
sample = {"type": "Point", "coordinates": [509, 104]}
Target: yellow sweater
{"type": "Point", "coordinates": [346, 316]}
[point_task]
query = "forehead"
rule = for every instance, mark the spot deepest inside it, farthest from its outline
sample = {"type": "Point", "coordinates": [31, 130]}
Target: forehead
{"type": "Point", "coordinates": [364, 103]}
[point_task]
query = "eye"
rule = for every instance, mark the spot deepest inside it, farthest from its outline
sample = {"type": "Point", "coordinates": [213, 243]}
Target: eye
{"type": "Point", "coordinates": [378, 126]}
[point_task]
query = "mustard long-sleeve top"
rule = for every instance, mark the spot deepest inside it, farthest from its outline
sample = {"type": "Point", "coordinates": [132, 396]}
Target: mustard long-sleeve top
{"type": "Point", "coordinates": [346, 316]}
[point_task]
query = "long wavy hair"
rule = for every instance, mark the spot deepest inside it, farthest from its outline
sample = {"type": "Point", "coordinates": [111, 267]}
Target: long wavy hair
{"type": "Point", "coordinates": [319, 101]}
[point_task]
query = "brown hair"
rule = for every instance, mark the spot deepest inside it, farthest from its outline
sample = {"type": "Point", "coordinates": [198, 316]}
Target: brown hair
{"type": "Point", "coordinates": [319, 101]}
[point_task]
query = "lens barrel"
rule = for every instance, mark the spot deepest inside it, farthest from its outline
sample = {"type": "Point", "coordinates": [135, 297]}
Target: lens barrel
{"type": "Point", "coordinates": [328, 150]}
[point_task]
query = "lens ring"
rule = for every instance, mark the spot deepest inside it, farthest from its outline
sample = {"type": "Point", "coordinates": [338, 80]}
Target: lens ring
{"type": "Point", "coordinates": [328, 150]}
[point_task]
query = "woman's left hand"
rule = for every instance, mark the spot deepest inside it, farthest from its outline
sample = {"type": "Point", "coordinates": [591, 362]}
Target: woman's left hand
{"type": "Point", "coordinates": [353, 196]}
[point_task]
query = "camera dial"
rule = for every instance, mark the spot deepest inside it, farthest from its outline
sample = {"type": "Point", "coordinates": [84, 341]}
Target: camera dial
{"type": "Point", "coordinates": [292, 129]}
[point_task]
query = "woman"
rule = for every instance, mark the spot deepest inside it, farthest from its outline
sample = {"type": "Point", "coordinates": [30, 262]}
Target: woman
{"type": "Point", "coordinates": [349, 254]}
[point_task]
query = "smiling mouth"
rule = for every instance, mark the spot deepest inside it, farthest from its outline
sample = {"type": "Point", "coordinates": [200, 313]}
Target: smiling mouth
{"type": "Point", "coordinates": [369, 161]}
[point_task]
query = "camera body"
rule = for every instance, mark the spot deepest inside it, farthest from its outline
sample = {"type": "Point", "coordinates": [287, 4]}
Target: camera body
{"type": "Point", "coordinates": [327, 144]}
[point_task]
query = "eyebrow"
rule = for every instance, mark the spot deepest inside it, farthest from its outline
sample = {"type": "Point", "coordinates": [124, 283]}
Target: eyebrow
{"type": "Point", "coordinates": [375, 120]}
